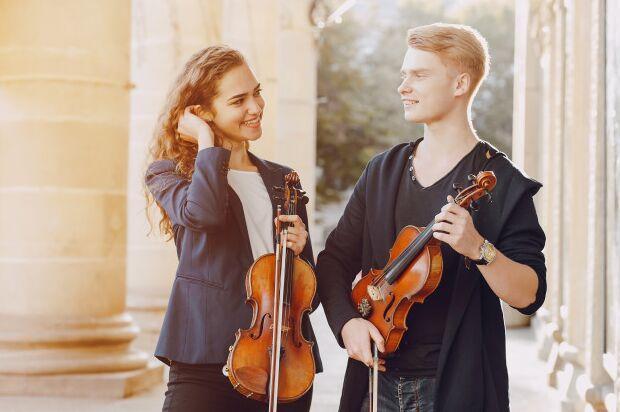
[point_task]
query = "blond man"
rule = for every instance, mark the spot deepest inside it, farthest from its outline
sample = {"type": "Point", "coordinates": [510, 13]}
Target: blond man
{"type": "Point", "coordinates": [452, 357]}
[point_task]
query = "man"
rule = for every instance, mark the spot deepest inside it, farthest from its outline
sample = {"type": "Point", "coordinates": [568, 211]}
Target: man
{"type": "Point", "coordinates": [452, 357]}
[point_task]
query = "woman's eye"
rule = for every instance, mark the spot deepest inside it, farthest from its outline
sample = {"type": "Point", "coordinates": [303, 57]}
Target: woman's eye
{"type": "Point", "coordinates": [257, 93]}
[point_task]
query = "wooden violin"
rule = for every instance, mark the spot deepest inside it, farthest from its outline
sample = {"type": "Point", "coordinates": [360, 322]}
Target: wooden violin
{"type": "Point", "coordinates": [413, 272]}
{"type": "Point", "coordinates": [271, 360]}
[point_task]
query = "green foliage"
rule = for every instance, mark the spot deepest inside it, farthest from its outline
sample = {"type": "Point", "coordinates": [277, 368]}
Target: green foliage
{"type": "Point", "coordinates": [360, 112]}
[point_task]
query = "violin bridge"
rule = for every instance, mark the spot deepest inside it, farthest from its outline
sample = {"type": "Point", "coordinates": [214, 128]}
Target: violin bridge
{"type": "Point", "coordinates": [270, 351]}
{"type": "Point", "coordinates": [374, 292]}
{"type": "Point", "coordinates": [284, 328]}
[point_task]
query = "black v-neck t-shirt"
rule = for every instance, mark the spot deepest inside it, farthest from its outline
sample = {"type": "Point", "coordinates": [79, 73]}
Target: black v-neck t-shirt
{"type": "Point", "coordinates": [416, 205]}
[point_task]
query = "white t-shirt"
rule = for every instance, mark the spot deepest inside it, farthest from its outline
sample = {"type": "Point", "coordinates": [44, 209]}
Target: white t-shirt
{"type": "Point", "coordinates": [250, 188]}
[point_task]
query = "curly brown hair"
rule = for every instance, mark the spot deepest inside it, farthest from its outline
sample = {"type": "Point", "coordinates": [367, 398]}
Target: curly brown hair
{"type": "Point", "coordinates": [197, 84]}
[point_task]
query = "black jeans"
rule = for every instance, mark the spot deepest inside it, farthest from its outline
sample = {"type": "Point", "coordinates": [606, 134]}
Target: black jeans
{"type": "Point", "coordinates": [203, 388]}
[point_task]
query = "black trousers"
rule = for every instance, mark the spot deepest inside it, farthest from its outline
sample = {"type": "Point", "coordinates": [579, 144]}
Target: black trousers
{"type": "Point", "coordinates": [203, 388]}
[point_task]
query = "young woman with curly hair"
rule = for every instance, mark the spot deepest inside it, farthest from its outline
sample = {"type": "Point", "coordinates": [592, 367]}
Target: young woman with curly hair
{"type": "Point", "coordinates": [218, 204]}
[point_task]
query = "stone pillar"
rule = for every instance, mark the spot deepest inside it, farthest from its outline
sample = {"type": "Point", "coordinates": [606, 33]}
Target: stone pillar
{"type": "Point", "coordinates": [526, 142]}
{"type": "Point", "coordinates": [527, 130]}
{"type": "Point", "coordinates": [546, 29]}
{"type": "Point", "coordinates": [164, 35]}
{"type": "Point", "coordinates": [575, 169]}
{"type": "Point", "coordinates": [297, 86]}
{"type": "Point", "coordinates": [64, 104]}
{"type": "Point", "coordinates": [595, 383]}
{"type": "Point", "coordinates": [611, 357]}
{"type": "Point", "coordinates": [285, 61]}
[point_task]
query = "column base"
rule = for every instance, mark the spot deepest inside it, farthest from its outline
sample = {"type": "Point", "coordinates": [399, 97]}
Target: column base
{"type": "Point", "coordinates": [148, 313]}
{"type": "Point", "coordinates": [594, 395]}
{"type": "Point", "coordinates": [567, 378]}
{"type": "Point", "coordinates": [89, 385]}
{"type": "Point", "coordinates": [545, 331]}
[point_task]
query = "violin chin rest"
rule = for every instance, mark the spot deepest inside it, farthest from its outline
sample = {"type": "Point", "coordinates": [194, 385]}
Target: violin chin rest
{"type": "Point", "coordinates": [253, 378]}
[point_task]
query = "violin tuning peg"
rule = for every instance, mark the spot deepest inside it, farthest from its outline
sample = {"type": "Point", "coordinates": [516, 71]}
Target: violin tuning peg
{"type": "Point", "coordinates": [457, 187]}
{"type": "Point", "coordinates": [471, 178]}
{"type": "Point", "coordinates": [278, 189]}
{"type": "Point", "coordinates": [474, 206]}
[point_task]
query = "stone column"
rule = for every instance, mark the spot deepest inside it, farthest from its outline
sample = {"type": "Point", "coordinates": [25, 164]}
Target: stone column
{"type": "Point", "coordinates": [546, 27]}
{"type": "Point", "coordinates": [297, 86]}
{"type": "Point", "coordinates": [164, 35]}
{"type": "Point", "coordinates": [611, 359]}
{"type": "Point", "coordinates": [64, 104]}
{"type": "Point", "coordinates": [595, 383]}
{"type": "Point", "coordinates": [526, 141]}
{"type": "Point", "coordinates": [575, 169]}
{"type": "Point", "coordinates": [527, 130]}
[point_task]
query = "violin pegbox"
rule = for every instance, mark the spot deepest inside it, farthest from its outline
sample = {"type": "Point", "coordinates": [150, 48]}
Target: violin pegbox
{"type": "Point", "coordinates": [482, 185]}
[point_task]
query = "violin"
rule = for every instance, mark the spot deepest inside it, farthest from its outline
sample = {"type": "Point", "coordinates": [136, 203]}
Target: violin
{"type": "Point", "coordinates": [413, 271]}
{"type": "Point", "coordinates": [271, 361]}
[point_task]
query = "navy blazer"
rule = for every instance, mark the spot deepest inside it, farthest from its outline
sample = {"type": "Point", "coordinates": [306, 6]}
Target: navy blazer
{"type": "Point", "coordinates": [208, 299]}
{"type": "Point", "coordinates": [471, 373]}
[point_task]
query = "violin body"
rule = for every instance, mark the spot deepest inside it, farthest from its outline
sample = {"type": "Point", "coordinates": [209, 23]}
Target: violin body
{"type": "Point", "coordinates": [249, 360]}
{"type": "Point", "coordinates": [386, 306]}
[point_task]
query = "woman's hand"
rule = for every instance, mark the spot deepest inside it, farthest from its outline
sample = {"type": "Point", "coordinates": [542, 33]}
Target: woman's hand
{"type": "Point", "coordinates": [194, 129]}
{"type": "Point", "coordinates": [456, 227]}
{"type": "Point", "coordinates": [297, 234]}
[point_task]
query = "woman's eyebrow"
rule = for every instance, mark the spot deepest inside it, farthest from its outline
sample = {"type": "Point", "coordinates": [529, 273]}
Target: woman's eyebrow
{"type": "Point", "coordinates": [243, 94]}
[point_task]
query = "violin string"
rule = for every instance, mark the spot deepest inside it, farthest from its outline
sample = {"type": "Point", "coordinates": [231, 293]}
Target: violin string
{"type": "Point", "coordinates": [290, 273]}
{"type": "Point", "coordinates": [285, 288]}
{"type": "Point", "coordinates": [288, 281]}
{"type": "Point", "coordinates": [380, 280]}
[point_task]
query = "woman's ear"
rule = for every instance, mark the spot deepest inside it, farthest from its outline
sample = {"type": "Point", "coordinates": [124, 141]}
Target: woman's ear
{"type": "Point", "coordinates": [201, 112]}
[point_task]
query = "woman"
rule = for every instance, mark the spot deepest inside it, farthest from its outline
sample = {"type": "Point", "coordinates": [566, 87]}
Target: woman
{"type": "Point", "coordinates": [217, 202]}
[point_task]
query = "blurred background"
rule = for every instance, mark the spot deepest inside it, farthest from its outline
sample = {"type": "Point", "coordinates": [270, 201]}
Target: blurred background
{"type": "Point", "coordinates": [83, 288]}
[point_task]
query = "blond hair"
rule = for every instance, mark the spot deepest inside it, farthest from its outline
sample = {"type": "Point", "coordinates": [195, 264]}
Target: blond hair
{"type": "Point", "coordinates": [457, 45]}
{"type": "Point", "coordinates": [197, 83]}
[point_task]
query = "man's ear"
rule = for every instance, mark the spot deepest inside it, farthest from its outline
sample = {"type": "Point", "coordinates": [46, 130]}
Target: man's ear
{"type": "Point", "coordinates": [202, 112]}
{"type": "Point", "coordinates": [463, 84]}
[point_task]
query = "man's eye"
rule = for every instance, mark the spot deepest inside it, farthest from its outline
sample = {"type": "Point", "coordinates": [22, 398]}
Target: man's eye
{"type": "Point", "coordinates": [237, 102]}
{"type": "Point", "coordinates": [257, 93]}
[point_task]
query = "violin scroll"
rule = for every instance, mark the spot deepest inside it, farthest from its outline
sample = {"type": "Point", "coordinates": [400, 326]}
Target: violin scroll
{"type": "Point", "coordinates": [482, 185]}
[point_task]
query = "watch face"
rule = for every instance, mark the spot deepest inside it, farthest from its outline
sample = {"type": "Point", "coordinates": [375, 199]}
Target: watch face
{"type": "Point", "coordinates": [488, 252]}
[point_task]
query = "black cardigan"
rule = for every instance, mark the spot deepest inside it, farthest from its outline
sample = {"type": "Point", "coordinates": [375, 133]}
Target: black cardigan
{"type": "Point", "coordinates": [472, 373]}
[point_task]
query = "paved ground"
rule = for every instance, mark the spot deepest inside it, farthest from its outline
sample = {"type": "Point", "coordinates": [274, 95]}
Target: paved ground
{"type": "Point", "coordinates": [528, 391]}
